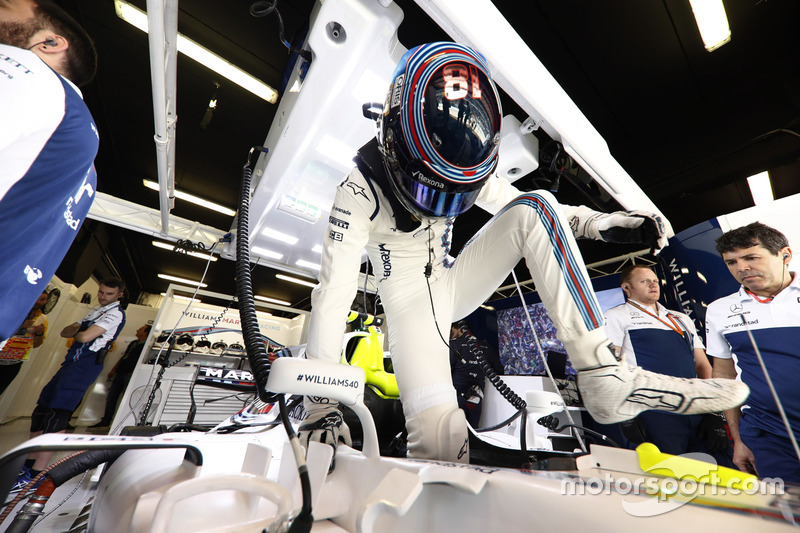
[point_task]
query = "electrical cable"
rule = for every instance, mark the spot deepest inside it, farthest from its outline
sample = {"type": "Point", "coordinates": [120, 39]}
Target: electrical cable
{"type": "Point", "coordinates": [256, 351]}
{"type": "Point", "coordinates": [494, 379]}
{"type": "Point", "coordinates": [541, 354]}
{"type": "Point", "coordinates": [265, 8]}
{"type": "Point", "coordinates": [551, 423]}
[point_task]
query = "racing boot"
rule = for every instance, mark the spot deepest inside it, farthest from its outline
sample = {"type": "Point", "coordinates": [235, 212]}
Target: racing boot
{"type": "Point", "coordinates": [613, 391]}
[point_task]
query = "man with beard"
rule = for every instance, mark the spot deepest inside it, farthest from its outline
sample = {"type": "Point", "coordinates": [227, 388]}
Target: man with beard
{"type": "Point", "coordinates": [48, 143]}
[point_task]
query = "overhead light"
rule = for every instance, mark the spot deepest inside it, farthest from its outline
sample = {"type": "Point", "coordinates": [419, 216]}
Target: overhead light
{"type": "Point", "coordinates": [138, 18]}
{"type": "Point", "coordinates": [712, 22]}
{"type": "Point", "coordinates": [308, 264]}
{"type": "Point", "coordinates": [284, 277]}
{"type": "Point", "coordinates": [193, 199]}
{"type": "Point", "coordinates": [761, 188]}
{"type": "Point", "coordinates": [182, 280]}
{"type": "Point", "coordinates": [171, 247]}
{"type": "Point", "coordinates": [269, 254]}
{"type": "Point", "coordinates": [182, 298]}
{"type": "Point", "coordinates": [279, 236]}
{"type": "Point", "coordinates": [271, 300]}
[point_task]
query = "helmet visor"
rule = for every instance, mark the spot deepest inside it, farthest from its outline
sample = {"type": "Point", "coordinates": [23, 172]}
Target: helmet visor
{"type": "Point", "coordinates": [432, 202]}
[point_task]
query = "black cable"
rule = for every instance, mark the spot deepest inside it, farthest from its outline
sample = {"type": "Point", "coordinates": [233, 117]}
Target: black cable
{"type": "Point", "coordinates": [265, 8]}
{"type": "Point", "coordinates": [551, 423]}
{"type": "Point", "coordinates": [256, 351]}
{"type": "Point", "coordinates": [303, 522]}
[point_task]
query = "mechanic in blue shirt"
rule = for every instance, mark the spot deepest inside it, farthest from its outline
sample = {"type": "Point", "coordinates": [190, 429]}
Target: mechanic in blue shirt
{"type": "Point", "coordinates": [768, 306]}
{"type": "Point", "coordinates": [48, 142]}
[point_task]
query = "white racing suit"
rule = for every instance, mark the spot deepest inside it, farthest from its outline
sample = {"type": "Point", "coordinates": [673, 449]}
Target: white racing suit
{"type": "Point", "coordinates": [530, 225]}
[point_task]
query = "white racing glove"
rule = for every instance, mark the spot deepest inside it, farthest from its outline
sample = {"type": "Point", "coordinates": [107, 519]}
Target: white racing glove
{"type": "Point", "coordinates": [622, 227]}
{"type": "Point", "coordinates": [325, 425]}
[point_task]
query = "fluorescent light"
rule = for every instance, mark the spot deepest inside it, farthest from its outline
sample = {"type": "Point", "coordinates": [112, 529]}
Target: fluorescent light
{"type": "Point", "coordinates": [263, 252]}
{"type": "Point", "coordinates": [712, 22]}
{"type": "Point", "coordinates": [308, 264]}
{"type": "Point", "coordinates": [171, 248]}
{"type": "Point", "coordinates": [279, 236]}
{"type": "Point", "coordinates": [317, 249]}
{"type": "Point", "coordinates": [183, 298]}
{"type": "Point", "coordinates": [138, 18]}
{"type": "Point", "coordinates": [284, 277]}
{"type": "Point", "coordinates": [761, 188]}
{"type": "Point", "coordinates": [182, 280]}
{"type": "Point", "coordinates": [193, 199]}
{"type": "Point", "coordinates": [337, 151]}
{"type": "Point", "coordinates": [271, 300]}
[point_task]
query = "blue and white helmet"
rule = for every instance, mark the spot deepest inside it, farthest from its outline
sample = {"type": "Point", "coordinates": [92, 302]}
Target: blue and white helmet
{"type": "Point", "coordinates": [440, 129]}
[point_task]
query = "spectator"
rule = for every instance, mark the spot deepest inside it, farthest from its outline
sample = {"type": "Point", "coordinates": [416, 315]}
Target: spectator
{"type": "Point", "coordinates": [768, 301]}
{"type": "Point", "coordinates": [48, 142]}
{"type": "Point", "coordinates": [664, 341]}
{"type": "Point", "coordinates": [18, 348]}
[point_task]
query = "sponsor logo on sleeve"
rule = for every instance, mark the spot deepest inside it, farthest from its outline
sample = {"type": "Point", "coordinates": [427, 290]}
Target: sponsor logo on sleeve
{"type": "Point", "coordinates": [357, 189]}
{"type": "Point", "coordinates": [340, 223]}
{"type": "Point", "coordinates": [336, 236]}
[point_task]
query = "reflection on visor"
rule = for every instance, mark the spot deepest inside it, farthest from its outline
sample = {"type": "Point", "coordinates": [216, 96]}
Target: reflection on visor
{"type": "Point", "coordinates": [437, 203]}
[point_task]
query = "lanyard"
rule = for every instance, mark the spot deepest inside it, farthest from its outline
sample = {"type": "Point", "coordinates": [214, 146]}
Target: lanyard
{"type": "Point", "coordinates": [760, 300]}
{"type": "Point", "coordinates": [674, 326]}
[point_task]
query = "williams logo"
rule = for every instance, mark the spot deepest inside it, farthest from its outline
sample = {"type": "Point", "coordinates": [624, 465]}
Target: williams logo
{"type": "Point", "coordinates": [386, 259]}
{"type": "Point", "coordinates": [339, 223]}
{"type": "Point", "coordinates": [328, 380]}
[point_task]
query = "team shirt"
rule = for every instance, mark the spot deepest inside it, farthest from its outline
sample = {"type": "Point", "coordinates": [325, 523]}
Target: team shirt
{"type": "Point", "coordinates": [48, 142]}
{"type": "Point", "coordinates": [110, 317]}
{"type": "Point", "coordinates": [776, 329]}
{"type": "Point", "coordinates": [654, 344]}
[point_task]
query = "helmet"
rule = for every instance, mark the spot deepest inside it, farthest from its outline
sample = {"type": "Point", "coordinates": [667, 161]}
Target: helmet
{"type": "Point", "coordinates": [218, 347]}
{"type": "Point", "coordinates": [235, 348]}
{"type": "Point", "coordinates": [185, 342]}
{"type": "Point", "coordinates": [161, 341]}
{"type": "Point", "coordinates": [202, 346]}
{"type": "Point", "coordinates": [440, 129]}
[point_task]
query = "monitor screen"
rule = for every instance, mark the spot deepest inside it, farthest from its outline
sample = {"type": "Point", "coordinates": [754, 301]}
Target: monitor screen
{"type": "Point", "coordinates": [518, 348]}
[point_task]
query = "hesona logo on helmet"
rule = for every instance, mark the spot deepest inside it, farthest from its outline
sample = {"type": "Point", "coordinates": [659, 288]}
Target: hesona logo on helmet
{"type": "Point", "coordinates": [419, 176]}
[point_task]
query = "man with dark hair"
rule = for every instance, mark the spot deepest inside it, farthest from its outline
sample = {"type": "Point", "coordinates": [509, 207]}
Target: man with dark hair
{"type": "Point", "coordinates": [48, 142]}
{"type": "Point", "coordinates": [649, 335]}
{"type": "Point", "coordinates": [121, 374]}
{"type": "Point", "coordinates": [768, 306]}
{"type": "Point", "coordinates": [93, 337]}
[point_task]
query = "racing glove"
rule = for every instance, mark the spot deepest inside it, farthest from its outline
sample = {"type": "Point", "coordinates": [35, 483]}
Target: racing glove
{"type": "Point", "coordinates": [634, 431]}
{"type": "Point", "coordinates": [712, 431]}
{"type": "Point", "coordinates": [326, 426]}
{"type": "Point", "coordinates": [622, 227]}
